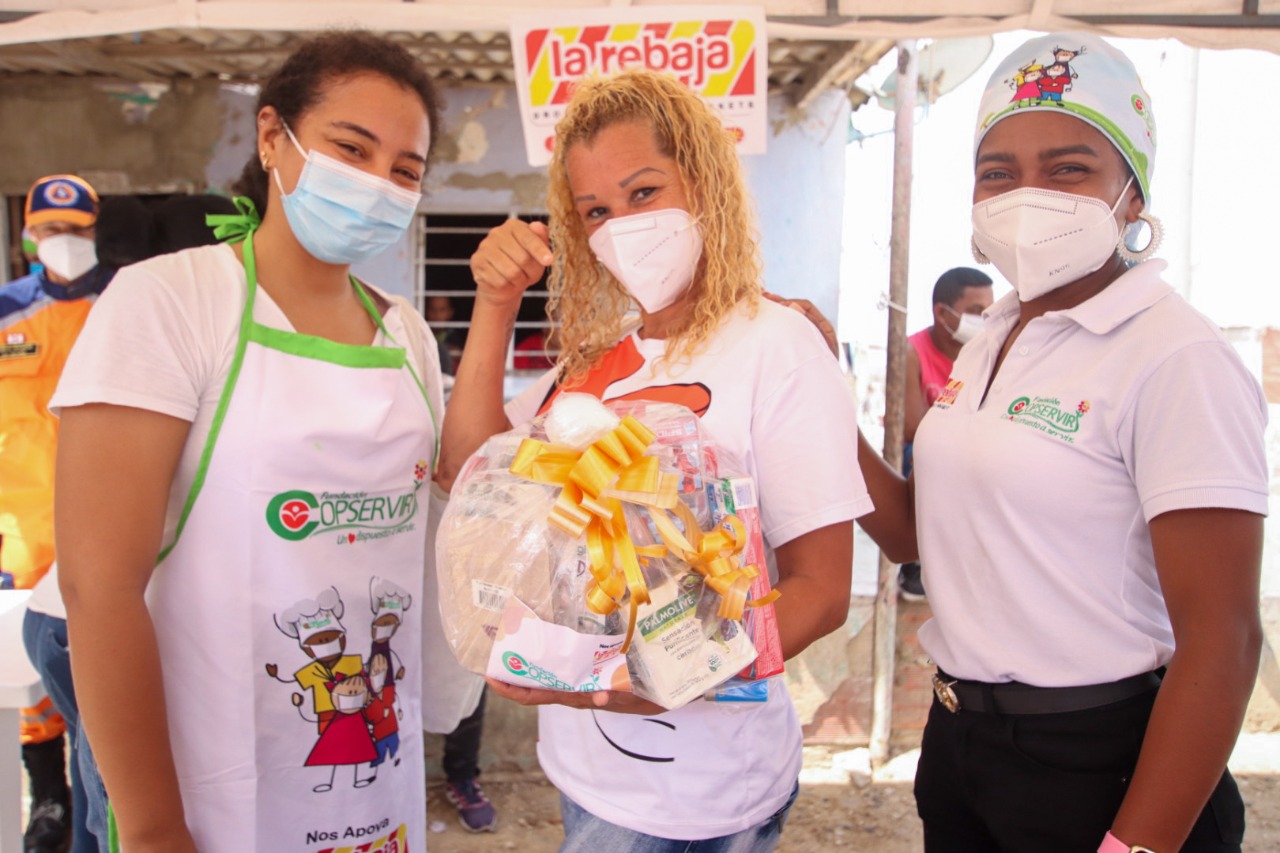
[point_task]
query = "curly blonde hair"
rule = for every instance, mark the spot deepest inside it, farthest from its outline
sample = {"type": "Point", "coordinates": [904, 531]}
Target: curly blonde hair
{"type": "Point", "coordinates": [588, 300]}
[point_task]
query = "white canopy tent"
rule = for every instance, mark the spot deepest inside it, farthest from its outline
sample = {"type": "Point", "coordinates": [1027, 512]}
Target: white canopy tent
{"type": "Point", "coordinates": [814, 44]}
{"type": "Point", "coordinates": [1203, 23]}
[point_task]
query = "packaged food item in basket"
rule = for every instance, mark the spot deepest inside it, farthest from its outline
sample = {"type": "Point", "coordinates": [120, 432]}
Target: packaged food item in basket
{"type": "Point", "coordinates": [579, 552]}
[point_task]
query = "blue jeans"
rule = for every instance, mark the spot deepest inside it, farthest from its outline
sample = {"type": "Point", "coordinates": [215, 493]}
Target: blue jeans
{"type": "Point", "coordinates": [45, 638]}
{"type": "Point", "coordinates": [586, 833]}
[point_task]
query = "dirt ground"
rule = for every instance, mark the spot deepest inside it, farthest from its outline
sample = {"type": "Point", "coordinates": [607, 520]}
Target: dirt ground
{"type": "Point", "coordinates": [878, 818]}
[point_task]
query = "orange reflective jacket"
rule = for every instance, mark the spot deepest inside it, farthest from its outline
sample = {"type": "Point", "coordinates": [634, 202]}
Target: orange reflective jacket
{"type": "Point", "coordinates": [39, 321]}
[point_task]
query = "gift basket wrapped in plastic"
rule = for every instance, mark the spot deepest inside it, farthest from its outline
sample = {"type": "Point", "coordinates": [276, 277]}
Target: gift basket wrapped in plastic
{"type": "Point", "coordinates": [602, 547]}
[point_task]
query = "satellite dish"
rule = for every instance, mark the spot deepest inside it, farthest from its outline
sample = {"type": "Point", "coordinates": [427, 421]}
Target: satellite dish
{"type": "Point", "coordinates": [941, 66]}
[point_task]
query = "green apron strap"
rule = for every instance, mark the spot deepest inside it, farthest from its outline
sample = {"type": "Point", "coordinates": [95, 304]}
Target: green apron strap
{"type": "Point", "coordinates": [242, 343]}
{"type": "Point", "coordinates": [413, 371]}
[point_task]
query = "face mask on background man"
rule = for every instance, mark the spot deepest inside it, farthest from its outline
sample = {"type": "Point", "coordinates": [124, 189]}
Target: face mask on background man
{"type": "Point", "coordinates": [67, 255]}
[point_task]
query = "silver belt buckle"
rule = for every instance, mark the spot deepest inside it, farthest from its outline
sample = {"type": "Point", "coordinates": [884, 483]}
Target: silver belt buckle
{"type": "Point", "coordinates": [947, 696]}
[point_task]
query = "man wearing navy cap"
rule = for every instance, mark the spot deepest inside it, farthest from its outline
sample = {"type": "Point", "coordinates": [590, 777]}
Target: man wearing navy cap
{"type": "Point", "coordinates": [40, 316]}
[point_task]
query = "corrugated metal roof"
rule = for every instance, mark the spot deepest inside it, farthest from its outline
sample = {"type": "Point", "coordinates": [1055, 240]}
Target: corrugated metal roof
{"type": "Point", "coordinates": [813, 44]}
{"type": "Point", "coordinates": [797, 67]}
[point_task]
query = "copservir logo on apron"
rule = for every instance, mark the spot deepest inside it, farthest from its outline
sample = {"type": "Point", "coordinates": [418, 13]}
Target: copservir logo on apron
{"type": "Point", "coordinates": [351, 516]}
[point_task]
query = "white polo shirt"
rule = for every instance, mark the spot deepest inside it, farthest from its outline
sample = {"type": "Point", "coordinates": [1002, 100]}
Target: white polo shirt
{"type": "Point", "coordinates": [1032, 506]}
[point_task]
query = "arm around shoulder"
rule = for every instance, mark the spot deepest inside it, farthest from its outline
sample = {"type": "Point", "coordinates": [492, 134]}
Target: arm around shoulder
{"type": "Point", "coordinates": [892, 524]}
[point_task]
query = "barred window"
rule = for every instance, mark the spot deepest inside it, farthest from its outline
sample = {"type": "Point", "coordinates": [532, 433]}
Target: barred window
{"type": "Point", "coordinates": [445, 294]}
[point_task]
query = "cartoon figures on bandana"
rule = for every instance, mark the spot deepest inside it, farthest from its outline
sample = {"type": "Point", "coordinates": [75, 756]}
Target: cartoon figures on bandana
{"type": "Point", "coordinates": [353, 704]}
{"type": "Point", "coordinates": [1026, 88]}
{"type": "Point", "coordinates": [1037, 84]}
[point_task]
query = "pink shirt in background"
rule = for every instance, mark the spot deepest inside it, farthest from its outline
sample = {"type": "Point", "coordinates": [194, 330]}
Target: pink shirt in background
{"type": "Point", "coordinates": [935, 368]}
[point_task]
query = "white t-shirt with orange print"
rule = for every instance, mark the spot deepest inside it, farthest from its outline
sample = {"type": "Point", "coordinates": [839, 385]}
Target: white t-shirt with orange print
{"type": "Point", "coordinates": [770, 393]}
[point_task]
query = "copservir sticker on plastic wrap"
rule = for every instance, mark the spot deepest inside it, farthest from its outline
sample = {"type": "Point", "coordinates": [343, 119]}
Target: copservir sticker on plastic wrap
{"type": "Point", "coordinates": [529, 652]}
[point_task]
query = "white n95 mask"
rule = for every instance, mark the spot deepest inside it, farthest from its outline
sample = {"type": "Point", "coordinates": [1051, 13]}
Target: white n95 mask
{"type": "Point", "coordinates": [67, 255]}
{"type": "Point", "coordinates": [1041, 240]}
{"type": "Point", "coordinates": [652, 255]}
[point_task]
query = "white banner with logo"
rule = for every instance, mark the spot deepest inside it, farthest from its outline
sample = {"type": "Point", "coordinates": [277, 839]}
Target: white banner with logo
{"type": "Point", "coordinates": [720, 52]}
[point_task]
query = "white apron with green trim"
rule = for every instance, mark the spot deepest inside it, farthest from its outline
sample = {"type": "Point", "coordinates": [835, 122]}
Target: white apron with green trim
{"type": "Point", "coordinates": [288, 611]}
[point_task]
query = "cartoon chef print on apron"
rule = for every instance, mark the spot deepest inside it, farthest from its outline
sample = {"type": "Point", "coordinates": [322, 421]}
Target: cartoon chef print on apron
{"type": "Point", "coordinates": [296, 567]}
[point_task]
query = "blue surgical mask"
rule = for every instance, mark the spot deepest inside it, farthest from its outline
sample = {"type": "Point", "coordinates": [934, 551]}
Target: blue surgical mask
{"type": "Point", "coordinates": [342, 215]}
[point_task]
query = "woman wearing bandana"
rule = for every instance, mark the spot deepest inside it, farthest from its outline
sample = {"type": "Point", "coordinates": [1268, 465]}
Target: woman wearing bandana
{"type": "Point", "coordinates": [235, 420]}
{"type": "Point", "coordinates": [648, 206]}
{"type": "Point", "coordinates": [1088, 503]}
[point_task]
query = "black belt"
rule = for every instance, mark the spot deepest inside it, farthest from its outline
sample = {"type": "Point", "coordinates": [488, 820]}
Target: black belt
{"type": "Point", "coordinates": [1014, 697]}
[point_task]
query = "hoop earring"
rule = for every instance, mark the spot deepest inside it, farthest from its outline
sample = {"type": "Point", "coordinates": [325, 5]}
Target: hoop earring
{"type": "Point", "coordinates": [977, 253]}
{"type": "Point", "coordinates": [1157, 235]}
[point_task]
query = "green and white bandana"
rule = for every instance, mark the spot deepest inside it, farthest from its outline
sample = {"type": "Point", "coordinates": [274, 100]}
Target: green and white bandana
{"type": "Point", "coordinates": [1083, 76]}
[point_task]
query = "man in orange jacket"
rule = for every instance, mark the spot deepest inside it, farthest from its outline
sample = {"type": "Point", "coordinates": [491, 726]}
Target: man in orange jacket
{"type": "Point", "coordinates": [40, 316]}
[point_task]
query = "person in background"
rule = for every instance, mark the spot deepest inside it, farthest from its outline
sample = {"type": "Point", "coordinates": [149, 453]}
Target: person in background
{"type": "Point", "coordinates": [439, 310]}
{"type": "Point", "coordinates": [960, 295]}
{"type": "Point", "coordinates": [536, 351]}
{"type": "Point", "coordinates": [41, 315]}
{"type": "Point", "coordinates": [221, 409]}
{"type": "Point", "coordinates": [640, 154]}
{"type": "Point", "coordinates": [1087, 502]}
{"type": "Point", "coordinates": [461, 761]}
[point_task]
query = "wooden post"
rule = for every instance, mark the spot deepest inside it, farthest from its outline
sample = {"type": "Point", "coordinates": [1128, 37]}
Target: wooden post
{"type": "Point", "coordinates": [886, 613]}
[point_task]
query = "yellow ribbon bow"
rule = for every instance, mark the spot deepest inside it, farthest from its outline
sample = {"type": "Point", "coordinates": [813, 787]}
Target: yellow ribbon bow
{"type": "Point", "coordinates": [714, 555]}
{"type": "Point", "coordinates": [594, 484]}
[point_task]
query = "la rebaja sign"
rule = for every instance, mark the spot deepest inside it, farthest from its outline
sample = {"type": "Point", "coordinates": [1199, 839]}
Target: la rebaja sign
{"type": "Point", "coordinates": [720, 52]}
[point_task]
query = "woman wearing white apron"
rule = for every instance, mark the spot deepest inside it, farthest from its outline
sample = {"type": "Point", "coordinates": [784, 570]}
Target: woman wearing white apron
{"type": "Point", "coordinates": [252, 416]}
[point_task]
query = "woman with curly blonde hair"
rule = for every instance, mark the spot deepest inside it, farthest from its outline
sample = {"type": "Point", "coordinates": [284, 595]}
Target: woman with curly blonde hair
{"type": "Point", "coordinates": [692, 136]}
{"type": "Point", "coordinates": [648, 207]}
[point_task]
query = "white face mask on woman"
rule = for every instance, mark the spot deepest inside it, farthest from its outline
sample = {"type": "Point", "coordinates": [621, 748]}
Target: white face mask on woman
{"type": "Point", "coordinates": [652, 255]}
{"type": "Point", "coordinates": [1042, 239]}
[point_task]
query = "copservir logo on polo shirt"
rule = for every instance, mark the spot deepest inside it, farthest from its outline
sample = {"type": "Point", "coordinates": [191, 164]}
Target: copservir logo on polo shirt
{"type": "Point", "coordinates": [1049, 415]}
